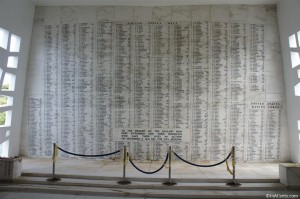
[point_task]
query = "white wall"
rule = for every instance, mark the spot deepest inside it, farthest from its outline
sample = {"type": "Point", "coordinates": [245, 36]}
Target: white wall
{"type": "Point", "coordinates": [81, 98]}
{"type": "Point", "coordinates": [16, 16]}
{"type": "Point", "coordinates": [289, 23]}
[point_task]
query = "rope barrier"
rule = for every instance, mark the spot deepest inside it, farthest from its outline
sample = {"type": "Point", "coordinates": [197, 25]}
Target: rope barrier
{"type": "Point", "coordinates": [171, 159]}
{"type": "Point", "coordinates": [82, 155]}
{"type": "Point", "coordinates": [126, 157]}
{"type": "Point", "coordinates": [233, 162]}
{"type": "Point", "coordinates": [228, 169]}
{"type": "Point", "coordinates": [151, 172]}
{"type": "Point", "coordinates": [198, 165]}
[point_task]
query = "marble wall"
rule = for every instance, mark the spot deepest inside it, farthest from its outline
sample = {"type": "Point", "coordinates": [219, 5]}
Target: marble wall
{"type": "Point", "coordinates": [199, 78]}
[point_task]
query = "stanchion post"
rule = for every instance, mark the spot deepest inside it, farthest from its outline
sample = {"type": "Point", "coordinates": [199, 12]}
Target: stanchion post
{"type": "Point", "coordinates": [169, 182]}
{"type": "Point", "coordinates": [234, 183]}
{"type": "Point", "coordinates": [125, 157]}
{"type": "Point", "coordinates": [233, 164]}
{"type": "Point", "coordinates": [54, 156]}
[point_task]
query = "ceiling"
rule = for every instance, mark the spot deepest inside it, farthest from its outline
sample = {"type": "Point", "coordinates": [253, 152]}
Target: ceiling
{"type": "Point", "coordinates": [146, 2]}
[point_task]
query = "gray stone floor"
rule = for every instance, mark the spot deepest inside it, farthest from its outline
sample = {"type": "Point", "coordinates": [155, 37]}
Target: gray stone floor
{"type": "Point", "coordinates": [24, 195]}
{"type": "Point", "coordinates": [226, 194]}
{"type": "Point", "coordinates": [113, 168]}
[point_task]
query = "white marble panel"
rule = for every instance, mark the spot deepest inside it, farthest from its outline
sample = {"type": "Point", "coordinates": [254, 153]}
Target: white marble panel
{"type": "Point", "coordinates": [69, 14]}
{"type": "Point", "coordinates": [165, 50]}
{"type": "Point", "coordinates": [256, 96]}
{"type": "Point", "coordinates": [123, 13]}
{"type": "Point", "coordinates": [256, 14]}
{"type": "Point", "coordinates": [37, 45]}
{"type": "Point", "coordinates": [274, 97]}
{"type": "Point", "coordinates": [142, 13]}
{"type": "Point", "coordinates": [271, 18]}
{"type": "Point", "coordinates": [34, 62]}
{"type": "Point", "coordinates": [272, 43]}
{"type": "Point", "coordinates": [163, 13]}
{"type": "Point", "coordinates": [289, 174]}
{"type": "Point", "coordinates": [200, 13]}
{"type": "Point", "coordinates": [86, 14]}
{"type": "Point", "coordinates": [238, 13]}
{"type": "Point", "coordinates": [274, 65]}
{"type": "Point", "coordinates": [271, 8]}
{"type": "Point", "coordinates": [52, 15]}
{"type": "Point", "coordinates": [181, 13]}
{"type": "Point", "coordinates": [274, 83]}
{"type": "Point", "coordinates": [220, 13]}
{"type": "Point", "coordinates": [39, 16]}
{"type": "Point", "coordinates": [105, 13]}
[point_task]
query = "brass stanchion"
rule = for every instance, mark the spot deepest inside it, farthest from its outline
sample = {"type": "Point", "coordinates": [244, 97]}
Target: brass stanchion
{"type": "Point", "coordinates": [169, 182]}
{"type": "Point", "coordinates": [125, 160]}
{"type": "Point", "coordinates": [54, 157]}
{"type": "Point", "coordinates": [233, 183]}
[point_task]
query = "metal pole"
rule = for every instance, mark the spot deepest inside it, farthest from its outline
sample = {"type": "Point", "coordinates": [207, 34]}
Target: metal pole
{"type": "Point", "coordinates": [233, 164]}
{"type": "Point", "coordinates": [234, 183]}
{"type": "Point", "coordinates": [169, 182]}
{"type": "Point", "coordinates": [170, 159]}
{"type": "Point", "coordinates": [125, 156]}
{"type": "Point", "coordinates": [53, 170]}
{"type": "Point", "coordinates": [124, 163]}
{"type": "Point", "coordinates": [53, 179]}
{"type": "Point", "coordinates": [53, 167]}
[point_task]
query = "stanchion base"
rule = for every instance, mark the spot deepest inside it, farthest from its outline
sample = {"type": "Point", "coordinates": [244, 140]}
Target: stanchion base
{"type": "Point", "coordinates": [124, 182]}
{"type": "Point", "coordinates": [169, 183]}
{"type": "Point", "coordinates": [53, 179]}
{"type": "Point", "coordinates": [233, 184]}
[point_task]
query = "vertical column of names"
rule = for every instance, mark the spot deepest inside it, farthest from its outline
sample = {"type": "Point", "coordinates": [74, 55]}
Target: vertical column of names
{"type": "Point", "coordinates": [141, 91]}
{"type": "Point", "coordinates": [255, 130]}
{"type": "Point", "coordinates": [68, 78]}
{"type": "Point", "coordinates": [51, 87]}
{"type": "Point", "coordinates": [34, 126]}
{"type": "Point", "coordinates": [257, 68]}
{"type": "Point", "coordinates": [161, 80]}
{"type": "Point", "coordinates": [220, 58]}
{"type": "Point", "coordinates": [200, 89]}
{"type": "Point", "coordinates": [141, 83]}
{"type": "Point", "coordinates": [181, 75]}
{"type": "Point", "coordinates": [123, 76]}
{"type": "Point", "coordinates": [181, 79]}
{"type": "Point", "coordinates": [85, 88]}
{"type": "Point", "coordinates": [273, 128]}
{"type": "Point", "coordinates": [238, 81]}
{"type": "Point", "coordinates": [256, 83]}
{"type": "Point", "coordinates": [161, 83]}
{"type": "Point", "coordinates": [103, 86]}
